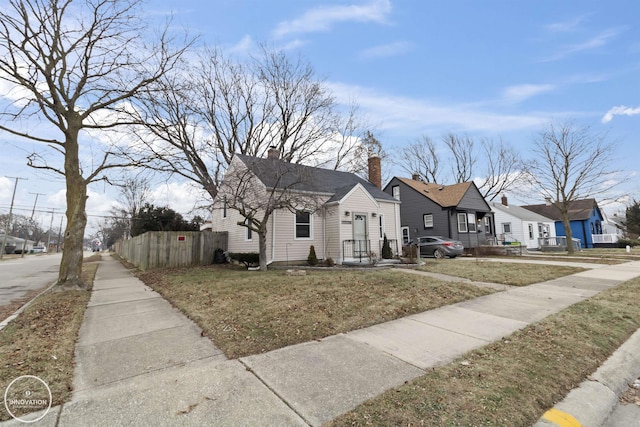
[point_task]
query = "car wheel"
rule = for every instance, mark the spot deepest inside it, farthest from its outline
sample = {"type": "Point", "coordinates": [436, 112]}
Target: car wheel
{"type": "Point", "coordinates": [438, 254]}
{"type": "Point", "coordinates": [452, 256]}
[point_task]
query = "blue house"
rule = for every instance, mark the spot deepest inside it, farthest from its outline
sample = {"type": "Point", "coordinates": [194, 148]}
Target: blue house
{"type": "Point", "coordinates": [585, 219]}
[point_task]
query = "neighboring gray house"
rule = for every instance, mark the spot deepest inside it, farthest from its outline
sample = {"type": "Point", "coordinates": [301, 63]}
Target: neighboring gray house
{"type": "Point", "coordinates": [455, 211]}
{"type": "Point", "coordinates": [520, 225]}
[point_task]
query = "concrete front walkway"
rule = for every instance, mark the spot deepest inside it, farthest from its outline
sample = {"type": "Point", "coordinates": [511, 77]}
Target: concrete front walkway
{"type": "Point", "coordinates": [140, 362]}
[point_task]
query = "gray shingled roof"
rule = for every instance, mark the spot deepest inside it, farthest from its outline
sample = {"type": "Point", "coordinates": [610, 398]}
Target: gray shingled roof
{"type": "Point", "coordinates": [520, 212]}
{"type": "Point", "coordinates": [579, 210]}
{"type": "Point", "coordinates": [280, 174]}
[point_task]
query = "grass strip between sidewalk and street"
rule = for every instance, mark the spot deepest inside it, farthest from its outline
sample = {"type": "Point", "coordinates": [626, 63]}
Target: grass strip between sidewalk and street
{"type": "Point", "coordinates": [505, 273]}
{"type": "Point", "coordinates": [251, 312]}
{"type": "Point", "coordinates": [41, 340]}
{"type": "Point", "coordinates": [512, 382]}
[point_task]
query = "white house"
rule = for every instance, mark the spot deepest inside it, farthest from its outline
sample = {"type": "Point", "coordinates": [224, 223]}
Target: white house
{"type": "Point", "coordinates": [344, 216]}
{"type": "Point", "coordinates": [517, 224]}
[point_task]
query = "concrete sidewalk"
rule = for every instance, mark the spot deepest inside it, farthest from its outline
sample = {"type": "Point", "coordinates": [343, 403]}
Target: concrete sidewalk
{"type": "Point", "coordinates": [141, 362]}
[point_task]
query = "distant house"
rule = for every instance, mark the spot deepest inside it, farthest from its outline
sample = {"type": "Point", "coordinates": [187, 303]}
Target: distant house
{"type": "Point", "coordinates": [455, 211]}
{"type": "Point", "coordinates": [585, 219]}
{"type": "Point", "coordinates": [347, 221]}
{"type": "Point", "coordinates": [517, 224]}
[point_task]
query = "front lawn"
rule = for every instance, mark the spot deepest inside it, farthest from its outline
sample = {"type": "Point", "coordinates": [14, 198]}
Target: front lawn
{"type": "Point", "coordinates": [506, 273]}
{"type": "Point", "coordinates": [248, 313]}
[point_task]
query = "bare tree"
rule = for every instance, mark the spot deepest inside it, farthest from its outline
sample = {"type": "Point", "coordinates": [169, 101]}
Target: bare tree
{"type": "Point", "coordinates": [257, 187]}
{"type": "Point", "coordinates": [463, 156]}
{"type": "Point", "coordinates": [198, 119]}
{"type": "Point", "coordinates": [74, 65]}
{"type": "Point", "coordinates": [504, 169]}
{"type": "Point", "coordinates": [421, 157]}
{"type": "Point", "coordinates": [571, 163]}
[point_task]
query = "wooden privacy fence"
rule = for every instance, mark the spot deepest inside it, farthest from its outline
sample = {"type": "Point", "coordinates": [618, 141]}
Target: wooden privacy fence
{"type": "Point", "coordinates": [155, 249]}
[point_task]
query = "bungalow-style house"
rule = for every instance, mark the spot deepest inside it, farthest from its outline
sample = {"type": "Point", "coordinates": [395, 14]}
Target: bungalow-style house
{"type": "Point", "coordinates": [515, 224]}
{"type": "Point", "coordinates": [344, 216]}
{"type": "Point", "coordinates": [455, 211]}
{"type": "Point", "coordinates": [585, 219]}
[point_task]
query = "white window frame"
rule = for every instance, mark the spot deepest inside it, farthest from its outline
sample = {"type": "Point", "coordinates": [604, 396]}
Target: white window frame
{"type": "Point", "coordinates": [295, 225]}
{"type": "Point", "coordinates": [381, 226]}
{"type": "Point", "coordinates": [427, 224]}
{"type": "Point", "coordinates": [248, 234]}
{"type": "Point", "coordinates": [462, 216]}
{"type": "Point", "coordinates": [506, 225]}
{"type": "Point", "coordinates": [531, 235]}
{"type": "Point", "coordinates": [224, 207]}
{"type": "Point", "coordinates": [395, 192]}
{"type": "Point", "coordinates": [472, 226]}
{"type": "Point", "coordinates": [405, 239]}
{"type": "Point", "coordinates": [487, 224]}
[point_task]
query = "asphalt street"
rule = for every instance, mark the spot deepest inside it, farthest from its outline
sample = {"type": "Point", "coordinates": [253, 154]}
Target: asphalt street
{"type": "Point", "coordinates": [21, 275]}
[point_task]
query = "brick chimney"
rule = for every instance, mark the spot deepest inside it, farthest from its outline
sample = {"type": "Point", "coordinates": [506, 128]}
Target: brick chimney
{"type": "Point", "coordinates": [273, 153]}
{"type": "Point", "coordinates": [415, 176]}
{"type": "Point", "coordinates": [504, 200]}
{"type": "Point", "coordinates": [375, 172]}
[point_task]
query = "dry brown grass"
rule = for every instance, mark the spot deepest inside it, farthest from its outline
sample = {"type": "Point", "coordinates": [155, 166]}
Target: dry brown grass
{"type": "Point", "coordinates": [41, 340]}
{"type": "Point", "coordinates": [247, 313]}
{"type": "Point", "coordinates": [506, 273]}
{"type": "Point", "coordinates": [514, 381]}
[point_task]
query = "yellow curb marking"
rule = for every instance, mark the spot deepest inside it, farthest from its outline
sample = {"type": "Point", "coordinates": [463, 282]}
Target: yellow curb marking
{"type": "Point", "coordinates": [561, 418]}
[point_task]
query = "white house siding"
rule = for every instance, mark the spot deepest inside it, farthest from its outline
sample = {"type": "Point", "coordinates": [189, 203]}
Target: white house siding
{"type": "Point", "coordinates": [520, 228]}
{"type": "Point", "coordinates": [287, 247]}
{"type": "Point", "coordinates": [333, 244]}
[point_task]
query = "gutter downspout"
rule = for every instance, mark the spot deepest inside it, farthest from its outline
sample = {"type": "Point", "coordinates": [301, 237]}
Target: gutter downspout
{"type": "Point", "coordinates": [273, 236]}
{"type": "Point", "coordinates": [324, 233]}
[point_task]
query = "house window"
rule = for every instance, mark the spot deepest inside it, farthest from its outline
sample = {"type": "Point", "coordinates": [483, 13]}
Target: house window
{"type": "Point", "coordinates": [249, 235]}
{"type": "Point", "coordinates": [381, 225]}
{"type": "Point", "coordinates": [405, 235]}
{"type": "Point", "coordinates": [462, 223]}
{"type": "Point", "coordinates": [506, 227]}
{"type": "Point", "coordinates": [395, 191]}
{"type": "Point", "coordinates": [487, 224]}
{"type": "Point", "coordinates": [224, 207]}
{"type": "Point", "coordinates": [427, 219]}
{"type": "Point", "coordinates": [303, 225]}
{"type": "Point", "coordinates": [530, 231]}
{"type": "Point", "coordinates": [471, 218]}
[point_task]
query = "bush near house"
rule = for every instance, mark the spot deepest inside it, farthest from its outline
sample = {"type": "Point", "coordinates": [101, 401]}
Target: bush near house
{"type": "Point", "coordinates": [312, 259]}
{"type": "Point", "coordinates": [386, 248]}
{"type": "Point", "coordinates": [246, 258]}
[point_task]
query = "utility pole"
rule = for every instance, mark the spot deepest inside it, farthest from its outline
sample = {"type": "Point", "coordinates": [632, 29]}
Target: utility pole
{"type": "Point", "coordinates": [6, 226]}
{"type": "Point", "coordinates": [49, 238]}
{"type": "Point", "coordinates": [24, 245]}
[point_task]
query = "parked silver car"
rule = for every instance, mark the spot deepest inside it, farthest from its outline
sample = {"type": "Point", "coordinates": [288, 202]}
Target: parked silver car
{"type": "Point", "coordinates": [439, 247]}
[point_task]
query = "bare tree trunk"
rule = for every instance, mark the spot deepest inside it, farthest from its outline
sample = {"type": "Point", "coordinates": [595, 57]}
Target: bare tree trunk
{"type": "Point", "coordinates": [567, 232]}
{"type": "Point", "coordinates": [71, 264]}
{"type": "Point", "coordinates": [262, 244]}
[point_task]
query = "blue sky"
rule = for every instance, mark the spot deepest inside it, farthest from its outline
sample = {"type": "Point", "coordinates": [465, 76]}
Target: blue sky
{"type": "Point", "coordinates": [485, 68]}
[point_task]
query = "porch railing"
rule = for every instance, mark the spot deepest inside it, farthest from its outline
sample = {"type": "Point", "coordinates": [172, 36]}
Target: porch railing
{"type": "Point", "coordinates": [356, 249]}
{"type": "Point", "coordinates": [604, 238]}
{"type": "Point", "coordinates": [558, 242]}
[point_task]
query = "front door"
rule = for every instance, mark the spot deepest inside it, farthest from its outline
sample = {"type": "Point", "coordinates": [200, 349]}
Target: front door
{"type": "Point", "coordinates": [360, 235]}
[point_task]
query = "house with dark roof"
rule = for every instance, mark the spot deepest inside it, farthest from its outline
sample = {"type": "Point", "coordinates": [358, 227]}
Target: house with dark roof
{"type": "Point", "coordinates": [344, 216]}
{"type": "Point", "coordinates": [584, 215]}
{"type": "Point", "coordinates": [455, 211]}
{"type": "Point", "coordinates": [520, 225]}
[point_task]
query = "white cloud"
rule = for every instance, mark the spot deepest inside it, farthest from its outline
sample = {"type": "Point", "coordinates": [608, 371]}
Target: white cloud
{"type": "Point", "coordinates": [385, 50]}
{"type": "Point", "coordinates": [242, 47]}
{"type": "Point", "coordinates": [595, 42]}
{"type": "Point", "coordinates": [566, 26]}
{"type": "Point", "coordinates": [414, 115]}
{"type": "Point", "coordinates": [181, 197]}
{"type": "Point", "coordinates": [324, 17]}
{"type": "Point", "coordinates": [620, 110]}
{"type": "Point", "coordinates": [519, 93]}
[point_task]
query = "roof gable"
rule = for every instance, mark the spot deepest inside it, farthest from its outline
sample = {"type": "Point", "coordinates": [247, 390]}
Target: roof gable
{"type": "Point", "coordinates": [520, 213]}
{"type": "Point", "coordinates": [276, 173]}
{"type": "Point", "coordinates": [444, 195]}
{"type": "Point", "coordinates": [579, 210]}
